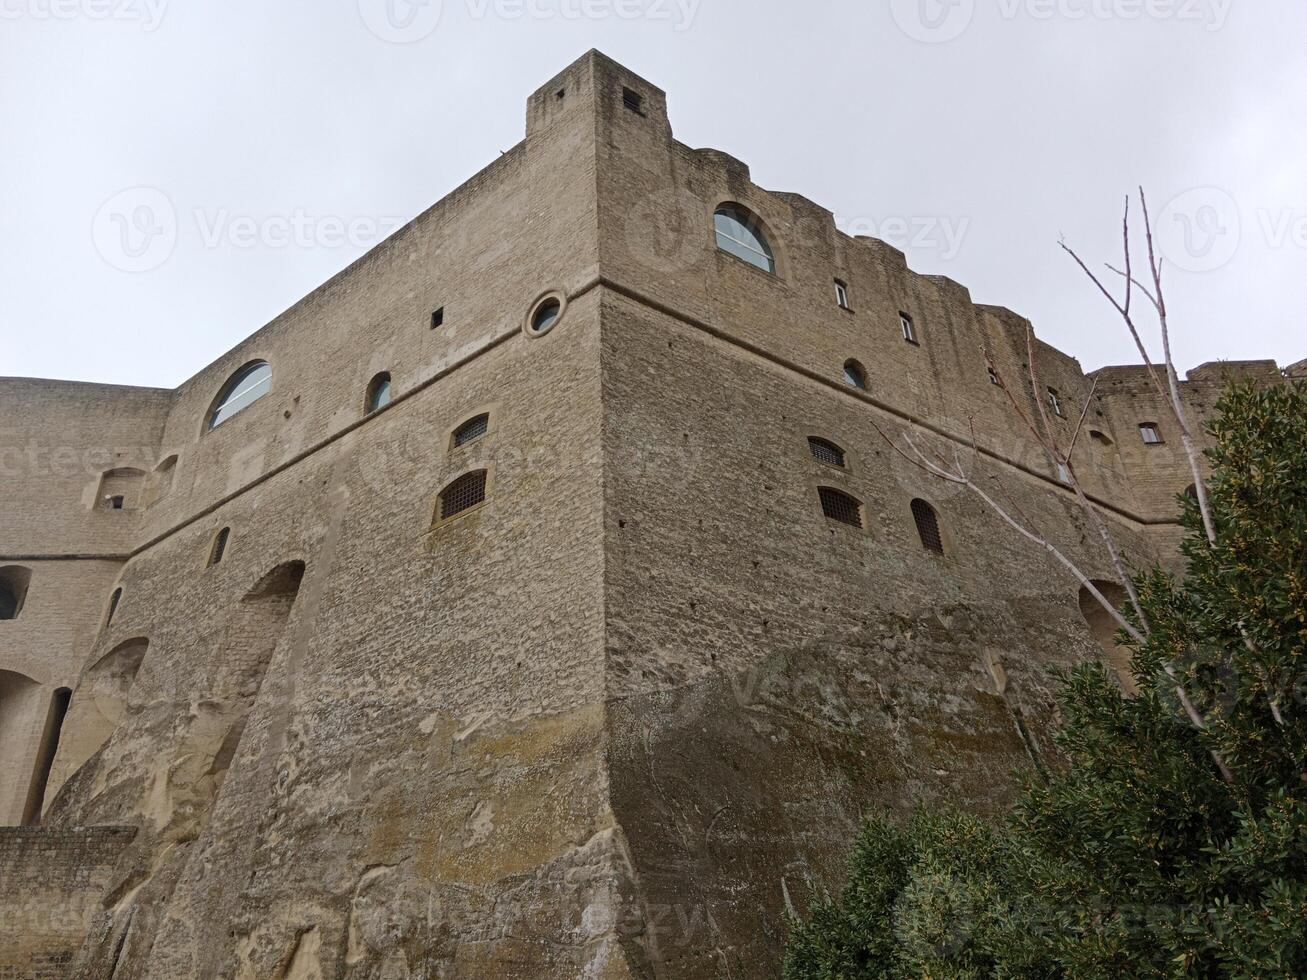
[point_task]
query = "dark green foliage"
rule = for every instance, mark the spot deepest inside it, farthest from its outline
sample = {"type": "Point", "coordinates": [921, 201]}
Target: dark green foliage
{"type": "Point", "coordinates": [1136, 858]}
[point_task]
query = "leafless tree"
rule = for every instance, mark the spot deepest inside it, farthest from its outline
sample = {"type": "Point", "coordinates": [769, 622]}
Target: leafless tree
{"type": "Point", "coordinates": [957, 471]}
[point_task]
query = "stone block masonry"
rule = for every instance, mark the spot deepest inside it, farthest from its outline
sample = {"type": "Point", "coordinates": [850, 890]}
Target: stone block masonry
{"type": "Point", "coordinates": [618, 704]}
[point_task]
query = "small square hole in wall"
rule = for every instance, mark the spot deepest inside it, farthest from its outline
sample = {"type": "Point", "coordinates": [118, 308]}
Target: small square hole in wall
{"type": "Point", "coordinates": [438, 318]}
{"type": "Point", "coordinates": [560, 94]}
{"type": "Point", "coordinates": [633, 100]}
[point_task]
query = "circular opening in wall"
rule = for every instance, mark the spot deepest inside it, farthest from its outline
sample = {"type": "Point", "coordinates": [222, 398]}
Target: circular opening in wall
{"type": "Point", "coordinates": [545, 314]}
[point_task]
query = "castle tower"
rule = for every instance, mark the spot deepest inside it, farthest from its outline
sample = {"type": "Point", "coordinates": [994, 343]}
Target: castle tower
{"type": "Point", "coordinates": [542, 596]}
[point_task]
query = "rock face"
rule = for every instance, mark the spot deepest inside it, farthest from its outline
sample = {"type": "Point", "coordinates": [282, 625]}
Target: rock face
{"type": "Point", "coordinates": [554, 666]}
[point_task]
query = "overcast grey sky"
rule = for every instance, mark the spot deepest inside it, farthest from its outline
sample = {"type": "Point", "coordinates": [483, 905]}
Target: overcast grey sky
{"type": "Point", "coordinates": [287, 137]}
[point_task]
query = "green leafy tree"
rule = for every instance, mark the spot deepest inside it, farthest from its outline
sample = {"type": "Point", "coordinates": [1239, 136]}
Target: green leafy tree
{"type": "Point", "coordinates": [1172, 842]}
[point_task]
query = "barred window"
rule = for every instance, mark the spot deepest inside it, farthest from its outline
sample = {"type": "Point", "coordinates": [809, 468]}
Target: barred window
{"type": "Point", "coordinates": [471, 430]}
{"type": "Point", "coordinates": [927, 526]}
{"type": "Point", "coordinates": [839, 506]}
{"type": "Point", "coordinates": [463, 494]}
{"type": "Point", "coordinates": [219, 546]}
{"type": "Point", "coordinates": [824, 451]}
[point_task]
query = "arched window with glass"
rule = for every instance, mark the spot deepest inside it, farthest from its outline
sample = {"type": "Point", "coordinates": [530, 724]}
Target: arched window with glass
{"type": "Point", "coordinates": [245, 387]}
{"type": "Point", "coordinates": [739, 233]}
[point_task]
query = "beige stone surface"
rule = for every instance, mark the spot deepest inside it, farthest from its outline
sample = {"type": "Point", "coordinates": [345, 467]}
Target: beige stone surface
{"type": "Point", "coordinates": [617, 719]}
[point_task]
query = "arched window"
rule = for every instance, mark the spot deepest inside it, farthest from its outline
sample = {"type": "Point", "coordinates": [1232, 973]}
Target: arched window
{"type": "Point", "coordinates": [928, 526]}
{"type": "Point", "coordinates": [113, 605]}
{"type": "Point", "coordinates": [1191, 492]}
{"type": "Point", "coordinates": [825, 451]}
{"type": "Point", "coordinates": [378, 392]}
{"type": "Point", "coordinates": [219, 546]}
{"type": "Point", "coordinates": [246, 386]}
{"type": "Point", "coordinates": [839, 506]}
{"type": "Point", "coordinates": [13, 590]}
{"type": "Point", "coordinates": [855, 375]}
{"type": "Point", "coordinates": [463, 494]}
{"type": "Point", "coordinates": [471, 430]}
{"type": "Point", "coordinates": [740, 234]}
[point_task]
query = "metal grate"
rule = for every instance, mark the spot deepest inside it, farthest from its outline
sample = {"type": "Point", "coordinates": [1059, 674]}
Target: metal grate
{"type": "Point", "coordinates": [464, 493]}
{"type": "Point", "coordinates": [839, 506]}
{"type": "Point", "coordinates": [927, 526]}
{"type": "Point", "coordinates": [219, 546]}
{"type": "Point", "coordinates": [471, 429]}
{"type": "Point", "coordinates": [826, 452]}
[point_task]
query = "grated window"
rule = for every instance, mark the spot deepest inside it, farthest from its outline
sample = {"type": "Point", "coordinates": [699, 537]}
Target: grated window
{"type": "Point", "coordinates": [464, 493]}
{"type": "Point", "coordinates": [927, 526]}
{"type": "Point", "coordinates": [824, 451]}
{"type": "Point", "coordinates": [219, 546]}
{"type": "Point", "coordinates": [839, 506]}
{"type": "Point", "coordinates": [471, 430]}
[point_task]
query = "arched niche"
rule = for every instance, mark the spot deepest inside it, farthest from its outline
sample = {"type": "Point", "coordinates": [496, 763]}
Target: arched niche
{"type": "Point", "coordinates": [122, 488]}
{"type": "Point", "coordinates": [1104, 629]}
{"type": "Point", "coordinates": [22, 704]}
{"type": "Point", "coordinates": [99, 707]}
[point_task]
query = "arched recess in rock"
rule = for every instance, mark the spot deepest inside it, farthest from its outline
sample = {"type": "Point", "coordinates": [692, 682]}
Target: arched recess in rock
{"type": "Point", "coordinates": [99, 706]}
{"type": "Point", "coordinates": [1104, 629]}
{"type": "Point", "coordinates": [22, 710]}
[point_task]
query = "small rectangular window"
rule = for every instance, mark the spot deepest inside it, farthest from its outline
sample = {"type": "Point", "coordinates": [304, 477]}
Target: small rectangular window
{"type": "Point", "coordinates": [842, 294]}
{"type": "Point", "coordinates": [116, 503]}
{"type": "Point", "coordinates": [1150, 433]}
{"type": "Point", "coordinates": [1054, 401]}
{"type": "Point", "coordinates": [909, 328]}
{"type": "Point", "coordinates": [438, 318]}
{"type": "Point", "coordinates": [633, 100]}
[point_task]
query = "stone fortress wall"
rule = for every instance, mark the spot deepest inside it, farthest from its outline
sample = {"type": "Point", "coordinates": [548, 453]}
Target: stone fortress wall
{"type": "Point", "coordinates": [618, 718]}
